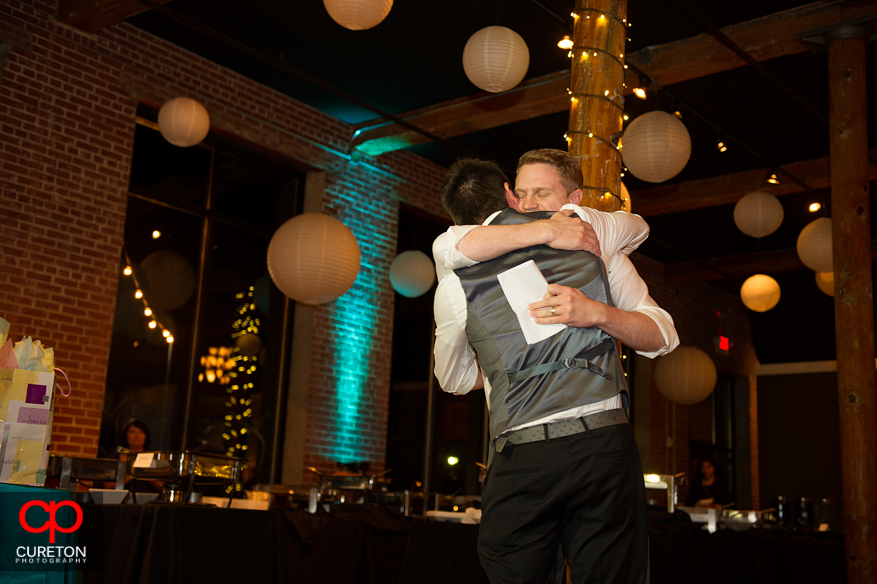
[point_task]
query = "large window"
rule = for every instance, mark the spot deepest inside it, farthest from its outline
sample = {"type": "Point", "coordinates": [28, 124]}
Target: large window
{"type": "Point", "coordinates": [197, 229]}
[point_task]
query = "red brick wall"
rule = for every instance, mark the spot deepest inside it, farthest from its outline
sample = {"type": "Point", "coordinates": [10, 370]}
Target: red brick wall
{"type": "Point", "coordinates": [67, 118]}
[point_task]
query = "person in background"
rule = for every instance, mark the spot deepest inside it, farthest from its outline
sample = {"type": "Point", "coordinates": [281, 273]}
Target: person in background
{"type": "Point", "coordinates": [135, 437]}
{"type": "Point", "coordinates": [708, 489]}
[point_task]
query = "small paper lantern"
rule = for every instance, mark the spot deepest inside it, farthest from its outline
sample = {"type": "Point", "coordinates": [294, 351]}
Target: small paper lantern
{"type": "Point", "coordinates": [496, 58]}
{"type": "Point", "coordinates": [656, 146]}
{"type": "Point", "coordinates": [686, 376]}
{"type": "Point", "coordinates": [358, 14]}
{"type": "Point", "coordinates": [183, 122]}
{"type": "Point", "coordinates": [250, 344]}
{"type": "Point", "coordinates": [626, 203]}
{"type": "Point", "coordinates": [758, 214]}
{"type": "Point", "coordinates": [760, 293]}
{"type": "Point", "coordinates": [168, 280]}
{"type": "Point", "coordinates": [814, 245]}
{"type": "Point", "coordinates": [412, 273]}
{"type": "Point", "coordinates": [825, 281]}
{"type": "Point", "coordinates": [313, 258]}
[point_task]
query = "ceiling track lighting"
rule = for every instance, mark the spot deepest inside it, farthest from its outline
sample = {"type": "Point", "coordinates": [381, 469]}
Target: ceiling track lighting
{"type": "Point", "coordinates": [772, 178]}
{"type": "Point", "coordinates": [721, 146]}
{"type": "Point", "coordinates": [565, 42]}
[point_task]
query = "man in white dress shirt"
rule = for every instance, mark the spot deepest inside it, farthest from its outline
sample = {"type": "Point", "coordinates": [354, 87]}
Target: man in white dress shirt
{"type": "Point", "coordinates": [504, 546]}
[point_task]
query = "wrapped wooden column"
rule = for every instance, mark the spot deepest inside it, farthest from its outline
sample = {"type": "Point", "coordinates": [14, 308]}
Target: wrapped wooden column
{"type": "Point", "coordinates": [853, 298]}
{"type": "Point", "coordinates": [596, 104]}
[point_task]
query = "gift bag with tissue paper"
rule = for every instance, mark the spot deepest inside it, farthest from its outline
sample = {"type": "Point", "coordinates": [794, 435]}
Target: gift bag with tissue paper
{"type": "Point", "coordinates": [27, 396]}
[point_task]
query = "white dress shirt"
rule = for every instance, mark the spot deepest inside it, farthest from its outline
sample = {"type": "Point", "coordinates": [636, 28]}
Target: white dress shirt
{"type": "Point", "coordinates": [619, 234]}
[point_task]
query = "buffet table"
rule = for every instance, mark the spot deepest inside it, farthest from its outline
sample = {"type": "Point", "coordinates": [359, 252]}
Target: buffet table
{"type": "Point", "coordinates": [164, 543]}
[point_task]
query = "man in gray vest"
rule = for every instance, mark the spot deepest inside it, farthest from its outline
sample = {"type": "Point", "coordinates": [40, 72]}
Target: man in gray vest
{"type": "Point", "coordinates": [564, 467]}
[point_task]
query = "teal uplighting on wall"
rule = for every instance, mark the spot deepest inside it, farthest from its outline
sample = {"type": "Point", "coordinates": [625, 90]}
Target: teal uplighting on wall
{"type": "Point", "coordinates": [356, 314]}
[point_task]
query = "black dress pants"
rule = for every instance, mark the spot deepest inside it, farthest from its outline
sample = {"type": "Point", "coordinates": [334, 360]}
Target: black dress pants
{"type": "Point", "coordinates": [583, 492]}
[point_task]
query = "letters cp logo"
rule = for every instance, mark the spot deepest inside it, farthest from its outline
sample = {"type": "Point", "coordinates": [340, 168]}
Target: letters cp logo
{"type": "Point", "coordinates": [51, 524]}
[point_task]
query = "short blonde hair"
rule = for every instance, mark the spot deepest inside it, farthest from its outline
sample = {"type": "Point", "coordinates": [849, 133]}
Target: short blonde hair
{"type": "Point", "coordinates": [567, 166]}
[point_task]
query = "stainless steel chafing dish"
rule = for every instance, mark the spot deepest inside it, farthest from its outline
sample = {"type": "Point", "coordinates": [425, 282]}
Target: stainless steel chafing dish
{"type": "Point", "coordinates": [65, 468]}
{"type": "Point", "coordinates": [180, 471]}
{"type": "Point", "coordinates": [172, 465]}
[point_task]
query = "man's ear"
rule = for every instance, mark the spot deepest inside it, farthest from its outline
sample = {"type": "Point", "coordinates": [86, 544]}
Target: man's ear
{"type": "Point", "coordinates": [511, 199]}
{"type": "Point", "coordinates": [576, 197]}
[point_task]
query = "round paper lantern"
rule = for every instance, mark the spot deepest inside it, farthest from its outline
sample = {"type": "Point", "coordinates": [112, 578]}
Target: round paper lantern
{"type": "Point", "coordinates": [656, 146]}
{"type": "Point", "coordinates": [168, 280]}
{"type": "Point", "coordinates": [760, 293]}
{"type": "Point", "coordinates": [412, 273]}
{"type": "Point", "coordinates": [814, 245]}
{"type": "Point", "coordinates": [183, 122]}
{"type": "Point", "coordinates": [686, 376]}
{"type": "Point", "coordinates": [626, 203]}
{"type": "Point", "coordinates": [313, 258]}
{"type": "Point", "coordinates": [825, 281]}
{"type": "Point", "coordinates": [249, 344]}
{"type": "Point", "coordinates": [758, 214]}
{"type": "Point", "coordinates": [358, 14]}
{"type": "Point", "coordinates": [496, 58]}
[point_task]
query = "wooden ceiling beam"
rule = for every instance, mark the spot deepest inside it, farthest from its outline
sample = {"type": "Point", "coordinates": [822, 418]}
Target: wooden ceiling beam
{"type": "Point", "coordinates": [727, 189]}
{"type": "Point", "coordinates": [741, 266]}
{"type": "Point", "coordinates": [94, 15]}
{"type": "Point", "coordinates": [765, 38]}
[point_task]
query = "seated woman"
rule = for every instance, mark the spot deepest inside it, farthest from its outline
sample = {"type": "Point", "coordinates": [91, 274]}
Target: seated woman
{"type": "Point", "coordinates": [134, 439]}
{"type": "Point", "coordinates": [708, 489]}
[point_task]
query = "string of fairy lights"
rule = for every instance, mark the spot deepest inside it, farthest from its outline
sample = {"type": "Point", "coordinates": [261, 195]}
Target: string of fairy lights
{"type": "Point", "coordinates": [154, 322]}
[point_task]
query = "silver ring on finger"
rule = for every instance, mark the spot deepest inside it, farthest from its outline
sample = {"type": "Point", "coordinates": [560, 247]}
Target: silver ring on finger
{"type": "Point", "coordinates": [553, 313]}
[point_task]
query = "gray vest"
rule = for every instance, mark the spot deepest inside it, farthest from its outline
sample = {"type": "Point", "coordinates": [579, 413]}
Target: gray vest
{"type": "Point", "coordinates": [575, 367]}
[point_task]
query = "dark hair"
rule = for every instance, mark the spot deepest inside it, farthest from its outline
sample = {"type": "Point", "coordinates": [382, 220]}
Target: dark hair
{"type": "Point", "coordinates": [567, 165]}
{"type": "Point", "coordinates": [123, 440]}
{"type": "Point", "coordinates": [472, 190]}
{"type": "Point", "coordinates": [718, 467]}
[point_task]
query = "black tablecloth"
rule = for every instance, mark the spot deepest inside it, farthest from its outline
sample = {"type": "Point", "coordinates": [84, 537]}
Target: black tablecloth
{"type": "Point", "coordinates": [357, 544]}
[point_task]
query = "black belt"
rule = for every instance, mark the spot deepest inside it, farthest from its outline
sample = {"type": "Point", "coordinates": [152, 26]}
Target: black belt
{"type": "Point", "coordinates": [561, 428]}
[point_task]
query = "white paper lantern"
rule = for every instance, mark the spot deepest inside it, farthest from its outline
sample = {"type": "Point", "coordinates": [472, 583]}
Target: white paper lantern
{"type": "Point", "coordinates": [626, 202]}
{"type": "Point", "coordinates": [412, 273]}
{"type": "Point", "coordinates": [313, 258]}
{"type": "Point", "coordinates": [656, 146]}
{"type": "Point", "coordinates": [183, 122]}
{"type": "Point", "coordinates": [825, 281]}
{"type": "Point", "coordinates": [760, 293]}
{"type": "Point", "coordinates": [758, 214]}
{"type": "Point", "coordinates": [496, 58]}
{"type": "Point", "coordinates": [249, 344]}
{"type": "Point", "coordinates": [814, 245]}
{"type": "Point", "coordinates": [686, 376]}
{"type": "Point", "coordinates": [358, 14]}
{"type": "Point", "coordinates": [168, 280]}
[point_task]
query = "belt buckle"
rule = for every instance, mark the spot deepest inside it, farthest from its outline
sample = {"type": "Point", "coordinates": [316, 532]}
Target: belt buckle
{"type": "Point", "coordinates": [569, 363]}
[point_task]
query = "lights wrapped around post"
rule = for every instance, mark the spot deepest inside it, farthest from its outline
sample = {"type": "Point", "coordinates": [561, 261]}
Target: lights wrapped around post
{"type": "Point", "coordinates": [758, 214]}
{"type": "Point", "coordinates": [496, 58]}
{"type": "Point", "coordinates": [183, 122]}
{"type": "Point", "coordinates": [412, 273]}
{"type": "Point", "coordinates": [814, 245]}
{"type": "Point", "coordinates": [686, 376]}
{"type": "Point", "coordinates": [656, 146]}
{"type": "Point", "coordinates": [760, 293]}
{"type": "Point", "coordinates": [313, 258]}
{"type": "Point", "coordinates": [596, 102]}
{"type": "Point", "coordinates": [626, 202]}
{"type": "Point", "coordinates": [358, 14]}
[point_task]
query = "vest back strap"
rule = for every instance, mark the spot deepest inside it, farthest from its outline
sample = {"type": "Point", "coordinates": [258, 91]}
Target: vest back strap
{"type": "Point", "coordinates": [580, 362]}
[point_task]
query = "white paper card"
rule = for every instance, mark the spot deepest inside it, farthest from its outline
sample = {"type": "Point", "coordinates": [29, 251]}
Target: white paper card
{"type": "Point", "coordinates": [144, 460]}
{"type": "Point", "coordinates": [522, 285]}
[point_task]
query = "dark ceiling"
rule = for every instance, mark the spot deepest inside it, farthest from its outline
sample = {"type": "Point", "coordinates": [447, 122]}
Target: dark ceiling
{"type": "Point", "coordinates": [413, 60]}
